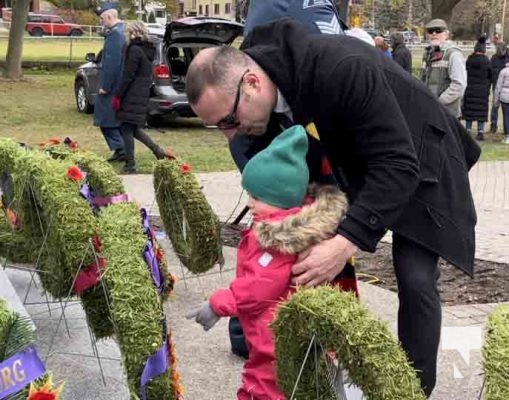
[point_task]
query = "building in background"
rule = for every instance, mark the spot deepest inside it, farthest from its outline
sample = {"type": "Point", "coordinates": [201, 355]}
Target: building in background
{"type": "Point", "coordinates": [210, 8]}
{"type": "Point", "coordinates": [6, 5]}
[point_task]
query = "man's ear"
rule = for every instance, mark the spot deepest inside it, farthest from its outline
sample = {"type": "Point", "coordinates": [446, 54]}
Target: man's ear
{"type": "Point", "coordinates": [252, 83]}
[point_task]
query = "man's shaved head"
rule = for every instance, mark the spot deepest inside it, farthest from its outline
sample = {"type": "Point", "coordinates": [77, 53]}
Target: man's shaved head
{"type": "Point", "coordinates": [109, 17]}
{"type": "Point", "coordinates": [218, 67]}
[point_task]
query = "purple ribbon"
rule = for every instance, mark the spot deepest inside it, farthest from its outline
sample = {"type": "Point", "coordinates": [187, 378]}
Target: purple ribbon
{"type": "Point", "coordinates": [144, 218]}
{"type": "Point", "coordinates": [156, 365]}
{"type": "Point", "coordinates": [153, 264]}
{"type": "Point", "coordinates": [19, 370]}
{"type": "Point", "coordinates": [87, 193]}
{"type": "Point", "coordinates": [149, 254]}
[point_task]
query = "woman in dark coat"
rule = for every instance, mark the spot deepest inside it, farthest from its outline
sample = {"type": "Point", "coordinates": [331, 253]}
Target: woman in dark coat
{"type": "Point", "coordinates": [133, 94]}
{"type": "Point", "coordinates": [476, 99]}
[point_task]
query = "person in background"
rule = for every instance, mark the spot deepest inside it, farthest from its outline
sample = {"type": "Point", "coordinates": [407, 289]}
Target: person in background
{"type": "Point", "coordinates": [400, 53]}
{"type": "Point", "coordinates": [286, 223]}
{"type": "Point", "coordinates": [476, 99]}
{"type": "Point", "coordinates": [104, 115]}
{"type": "Point", "coordinates": [498, 61]}
{"type": "Point", "coordinates": [133, 93]}
{"type": "Point", "coordinates": [383, 46]}
{"type": "Point", "coordinates": [319, 17]}
{"type": "Point", "coordinates": [502, 98]}
{"type": "Point", "coordinates": [444, 71]}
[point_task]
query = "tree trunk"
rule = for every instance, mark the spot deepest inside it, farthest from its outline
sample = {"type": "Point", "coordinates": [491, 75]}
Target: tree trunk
{"type": "Point", "coordinates": [15, 47]}
{"type": "Point", "coordinates": [443, 9]}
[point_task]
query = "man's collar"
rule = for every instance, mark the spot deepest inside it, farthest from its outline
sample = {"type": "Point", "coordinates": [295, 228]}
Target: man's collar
{"type": "Point", "coordinates": [282, 106]}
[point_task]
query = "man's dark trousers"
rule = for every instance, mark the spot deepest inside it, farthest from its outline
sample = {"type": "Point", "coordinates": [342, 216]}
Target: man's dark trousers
{"type": "Point", "coordinates": [420, 312]}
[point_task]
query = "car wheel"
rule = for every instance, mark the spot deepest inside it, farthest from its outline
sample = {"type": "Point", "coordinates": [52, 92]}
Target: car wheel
{"type": "Point", "coordinates": [37, 32]}
{"type": "Point", "coordinates": [76, 32]}
{"type": "Point", "coordinates": [82, 103]}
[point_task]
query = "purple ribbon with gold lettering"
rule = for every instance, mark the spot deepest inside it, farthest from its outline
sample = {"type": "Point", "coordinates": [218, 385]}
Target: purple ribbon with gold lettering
{"type": "Point", "coordinates": [19, 370]}
{"type": "Point", "coordinates": [156, 365]}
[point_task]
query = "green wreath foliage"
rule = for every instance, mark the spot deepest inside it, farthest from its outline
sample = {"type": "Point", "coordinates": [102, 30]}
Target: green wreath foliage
{"type": "Point", "coordinates": [495, 353]}
{"type": "Point", "coordinates": [191, 225]}
{"type": "Point", "coordinates": [56, 220]}
{"type": "Point", "coordinates": [14, 246]}
{"type": "Point", "coordinates": [126, 303]}
{"type": "Point", "coordinates": [136, 307]}
{"type": "Point", "coordinates": [363, 344]}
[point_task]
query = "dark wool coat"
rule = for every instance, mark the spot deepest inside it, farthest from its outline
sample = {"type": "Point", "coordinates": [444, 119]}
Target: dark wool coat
{"type": "Point", "coordinates": [477, 93]}
{"type": "Point", "coordinates": [497, 64]}
{"type": "Point", "coordinates": [403, 57]}
{"type": "Point", "coordinates": [111, 67]}
{"type": "Point", "coordinates": [403, 156]}
{"type": "Point", "coordinates": [134, 88]}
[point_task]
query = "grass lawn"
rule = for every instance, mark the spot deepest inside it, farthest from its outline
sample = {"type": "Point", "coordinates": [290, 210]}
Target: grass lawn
{"type": "Point", "coordinates": [43, 107]}
{"type": "Point", "coordinates": [55, 49]}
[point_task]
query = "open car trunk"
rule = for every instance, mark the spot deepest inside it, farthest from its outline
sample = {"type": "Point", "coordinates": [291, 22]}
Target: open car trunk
{"type": "Point", "coordinates": [185, 37]}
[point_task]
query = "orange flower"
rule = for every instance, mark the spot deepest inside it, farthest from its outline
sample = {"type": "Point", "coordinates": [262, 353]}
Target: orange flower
{"type": "Point", "coordinates": [42, 144]}
{"type": "Point", "coordinates": [75, 173]}
{"type": "Point", "coordinates": [185, 168]}
{"type": "Point", "coordinates": [54, 140]}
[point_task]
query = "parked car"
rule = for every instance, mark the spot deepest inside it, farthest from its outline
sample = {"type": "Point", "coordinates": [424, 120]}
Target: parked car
{"type": "Point", "coordinates": [182, 40]}
{"type": "Point", "coordinates": [51, 25]}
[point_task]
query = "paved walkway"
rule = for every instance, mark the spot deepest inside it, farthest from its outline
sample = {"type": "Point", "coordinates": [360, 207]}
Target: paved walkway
{"type": "Point", "coordinates": [208, 369]}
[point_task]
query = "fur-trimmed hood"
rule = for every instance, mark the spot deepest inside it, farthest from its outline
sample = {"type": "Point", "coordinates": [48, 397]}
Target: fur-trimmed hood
{"type": "Point", "coordinates": [312, 224]}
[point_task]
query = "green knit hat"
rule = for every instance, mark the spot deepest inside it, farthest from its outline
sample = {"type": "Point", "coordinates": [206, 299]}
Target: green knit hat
{"type": "Point", "coordinates": [278, 175]}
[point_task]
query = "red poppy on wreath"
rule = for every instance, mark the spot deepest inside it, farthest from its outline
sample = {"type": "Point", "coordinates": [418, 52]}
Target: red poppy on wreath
{"type": "Point", "coordinates": [159, 254]}
{"type": "Point", "coordinates": [45, 392]}
{"type": "Point", "coordinates": [98, 246]}
{"type": "Point", "coordinates": [73, 144]}
{"type": "Point", "coordinates": [42, 144]}
{"type": "Point", "coordinates": [54, 141]}
{"type": "Point", "coordinates": [75, 173]}
{"type": "Point", "coordinates": [185, 168]}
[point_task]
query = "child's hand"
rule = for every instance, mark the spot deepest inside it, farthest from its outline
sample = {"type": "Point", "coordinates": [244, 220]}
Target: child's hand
{"type": "Point", "coordinates": [204, 315]}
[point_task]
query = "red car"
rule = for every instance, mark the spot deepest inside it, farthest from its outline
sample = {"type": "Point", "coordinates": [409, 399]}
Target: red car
{"type": "Point", "coordinates": [51, 25]}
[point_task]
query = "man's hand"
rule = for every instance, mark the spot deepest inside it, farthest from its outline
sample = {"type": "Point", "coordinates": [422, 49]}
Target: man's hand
{"type": "Point", "coordinates": [322, 262]}
{"type": "Point", "coordinates": [102, 91]}
{"type": "Point", "coordinates": [204, 315]}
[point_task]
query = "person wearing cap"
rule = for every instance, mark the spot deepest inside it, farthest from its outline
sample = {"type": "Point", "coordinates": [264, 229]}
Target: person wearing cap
{"type": "Point", "coordinates": [286, 222]}
{"type": "Point", "coordinates": [398, 154]}
{"type": "Point", "coordinates": [444, 70]}
{"type": "Point", "coordinates": [400, 53]}
{"type": "Point", "coordinates": [104, 114]}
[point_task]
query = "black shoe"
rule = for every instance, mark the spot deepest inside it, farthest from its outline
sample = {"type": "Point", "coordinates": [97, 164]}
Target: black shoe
{"type": "Point", "coordinates": [129, 169]}
{"type": "Point", "coordinates": [493, 128]}
{"type": "Point", "coordinates": [117, 156]}
{"type": "Point", "coordinates": [480, 136]}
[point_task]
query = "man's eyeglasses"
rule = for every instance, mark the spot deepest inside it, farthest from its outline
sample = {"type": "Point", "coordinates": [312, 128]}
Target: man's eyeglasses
{"type": "Point", "coordinates": [430, 31]}
{"type": "Point", "coordinates": [230, 121]}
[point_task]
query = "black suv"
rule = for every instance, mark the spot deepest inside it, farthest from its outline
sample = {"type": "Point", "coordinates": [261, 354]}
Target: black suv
{"type": "Point", "coordinates": [182, 40]}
